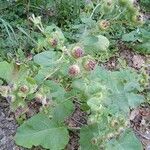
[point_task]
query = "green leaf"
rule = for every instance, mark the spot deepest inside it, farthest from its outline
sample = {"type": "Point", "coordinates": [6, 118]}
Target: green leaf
{"type": "Point", "coordinates": [41, 44]}
{"type": "Point", "coordinates": [140, 39]}
{"type": "Point", "coordinates": [94, 104]}
{"type": "Point", "coordinates": [44, 73]}
{"type": "Point", "coordinates": [54, 32]}
{"type": "Point", "coordinates": [31, 80]}
{"type": "Point", "coordinates": [90, 40]}
{"type": "Point", "coordinates": [103, 43]}
{"type": "Point", "coordinates": [134, 100]}
{"type": "Point", "coordinates": [40, 130]}
{"type": "Point", "coordinates": [117, 90]}
{"type": "Point", "coordinates": [143, 48]}
{"type": "Point", "coordinates": [130, 86]}
{"type": "Point", "coordinates": [1, 59]}
{"type": "Point", "coordinates": [96, 44]}
{"type": "Point", "coordinates": [88, 21]}
{"type": "Point", "coordinates": [6, 70]}
{"type": "Point", "coordinates": [47, 58]}
{"type": "Point", "coordinates": [127, 141]}
{"type": "Point", "coordinates": [63, 110]}
{"type": "Point", "coordinates": [80, 85]}
{"type": "Point", "coordinates": [130, 37]}
{"type": "Point", "coordinates": [86, 135]}
{"type": "Point", "coordinates": [1, 82]}
{"type": "Point", "coordinates": [63, 106]}
{"type": "Point", "coordinates": [56, 90]}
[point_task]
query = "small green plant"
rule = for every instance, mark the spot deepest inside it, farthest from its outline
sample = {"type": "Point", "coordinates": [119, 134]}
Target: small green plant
{"type": "Point", "coordinates": [138, 39]}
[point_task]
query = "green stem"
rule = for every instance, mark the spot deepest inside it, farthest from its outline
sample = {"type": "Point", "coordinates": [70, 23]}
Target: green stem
{"type": "Point", "coordinates": [94, 10]}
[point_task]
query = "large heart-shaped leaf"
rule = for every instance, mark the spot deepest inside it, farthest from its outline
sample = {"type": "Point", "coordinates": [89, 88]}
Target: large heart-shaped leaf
{"type": "Point", "coordinates": [96, 44]}
{"type": "Point", "coordinates": [40, 130]}
{"type": "Point", "coordinates": [47, 58]}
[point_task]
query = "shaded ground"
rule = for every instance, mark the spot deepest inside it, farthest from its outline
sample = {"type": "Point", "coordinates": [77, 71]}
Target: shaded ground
{"type": "Point", "coordinates": [75, 122]}
{"type": "Point", "coordinates": [132, 59]}
{"type": "Point", "coordinates": [140, 122]}
{"type": "Point", "coordinates": [8, 127]}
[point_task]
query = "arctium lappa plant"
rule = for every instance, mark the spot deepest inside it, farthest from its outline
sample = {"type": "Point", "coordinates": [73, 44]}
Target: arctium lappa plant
{"type": "Point", "coordinates": [104, 24]}
{"type": "Point", "coordinates": [89, 64]}
{"type": "Point", "coordinates": [65, 69]}
{"type": "Point", "coordinates": [53, 42]}
{"type": "Point", "coordinates": [78, 52]}
{"type": "Point", "coordinates": [74, 70]}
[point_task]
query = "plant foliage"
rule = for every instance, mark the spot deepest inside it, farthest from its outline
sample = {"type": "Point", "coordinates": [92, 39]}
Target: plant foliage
{"type": "Point", "coordinates": [51, 54]}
